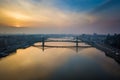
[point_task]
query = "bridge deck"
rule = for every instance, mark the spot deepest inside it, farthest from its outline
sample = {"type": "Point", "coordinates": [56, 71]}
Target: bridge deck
{"type": "Point", "coordinates": [62, 46]}
{"type": "Point", "coordinates": [62, 41]}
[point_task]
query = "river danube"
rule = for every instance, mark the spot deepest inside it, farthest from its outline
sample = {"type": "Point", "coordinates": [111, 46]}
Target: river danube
{"type": "Point", "coordinates": [54, 63]}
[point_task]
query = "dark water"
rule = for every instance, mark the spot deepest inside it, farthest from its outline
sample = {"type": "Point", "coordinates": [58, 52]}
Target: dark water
{"type": "Point", "coordinates": [59, 64]}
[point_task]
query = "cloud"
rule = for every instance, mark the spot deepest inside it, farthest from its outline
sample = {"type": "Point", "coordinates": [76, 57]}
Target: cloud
{"type": "Point", "coordinates": [107, 4]}
{"type": "Point", "coordinates": [60, 14]}
{"type": "Point", "coordinates": [40, 13]}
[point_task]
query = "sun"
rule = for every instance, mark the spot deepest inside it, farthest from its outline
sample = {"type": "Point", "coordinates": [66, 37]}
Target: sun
{"type": "Point", "coordinates": [17, 25]}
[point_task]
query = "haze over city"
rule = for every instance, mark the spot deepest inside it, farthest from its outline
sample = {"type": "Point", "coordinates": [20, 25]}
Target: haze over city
{"type": "Point", "coordinates": [59, 16]}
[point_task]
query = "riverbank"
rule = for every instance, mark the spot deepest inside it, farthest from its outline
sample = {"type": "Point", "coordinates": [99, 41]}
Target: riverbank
{"type": "Point", "coordinates": [10, 49]}
{"type": "Point", "coordinates": [108, 50]}
{"type": "Point", "coordinates": [10, 43]}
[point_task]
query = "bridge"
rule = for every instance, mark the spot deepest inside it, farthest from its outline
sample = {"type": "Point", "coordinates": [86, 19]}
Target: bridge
{"type": "Point", "coordinates": [76, 41]}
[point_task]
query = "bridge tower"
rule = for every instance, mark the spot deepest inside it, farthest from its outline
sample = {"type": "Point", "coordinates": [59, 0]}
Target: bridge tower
{"type": "Point", "coordinates": [43, 43]}
{"type": "Point", "coordinates": [77, 41]}
{"type": "Point", "coordinates": [76, 44]}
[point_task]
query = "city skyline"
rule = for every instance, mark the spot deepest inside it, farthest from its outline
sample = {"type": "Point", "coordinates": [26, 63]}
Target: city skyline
{"type": "Point", "coordinates": [59, 16]}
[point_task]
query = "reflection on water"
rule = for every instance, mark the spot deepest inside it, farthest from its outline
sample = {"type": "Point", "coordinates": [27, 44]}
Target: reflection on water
{"type": "Point", "coordinates": [58, 64]}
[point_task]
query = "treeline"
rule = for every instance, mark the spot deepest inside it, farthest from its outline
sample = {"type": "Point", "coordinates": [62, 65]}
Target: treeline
{"type": "Point", "coordinates": [113, 40]}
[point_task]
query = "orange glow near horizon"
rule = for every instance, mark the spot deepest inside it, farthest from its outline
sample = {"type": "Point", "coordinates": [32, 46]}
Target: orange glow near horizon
{"type": "Point", "coordinates": [58, 19]}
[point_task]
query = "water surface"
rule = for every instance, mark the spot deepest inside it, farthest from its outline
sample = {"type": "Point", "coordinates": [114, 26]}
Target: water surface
{"type": "Point", "coordinates": [33, 63]}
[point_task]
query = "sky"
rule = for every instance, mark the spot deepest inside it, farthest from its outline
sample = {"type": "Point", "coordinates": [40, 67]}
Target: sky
{"type": "Point", "coordinates": [59, 16]}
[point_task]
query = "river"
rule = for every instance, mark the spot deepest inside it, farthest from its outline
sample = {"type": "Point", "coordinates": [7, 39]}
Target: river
{"type": "Point", "coordinates": [33, 63]}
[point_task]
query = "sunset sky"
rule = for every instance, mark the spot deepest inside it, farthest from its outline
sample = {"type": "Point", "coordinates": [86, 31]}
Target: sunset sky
{"type": "Point", "coordinates": [59, 16]}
